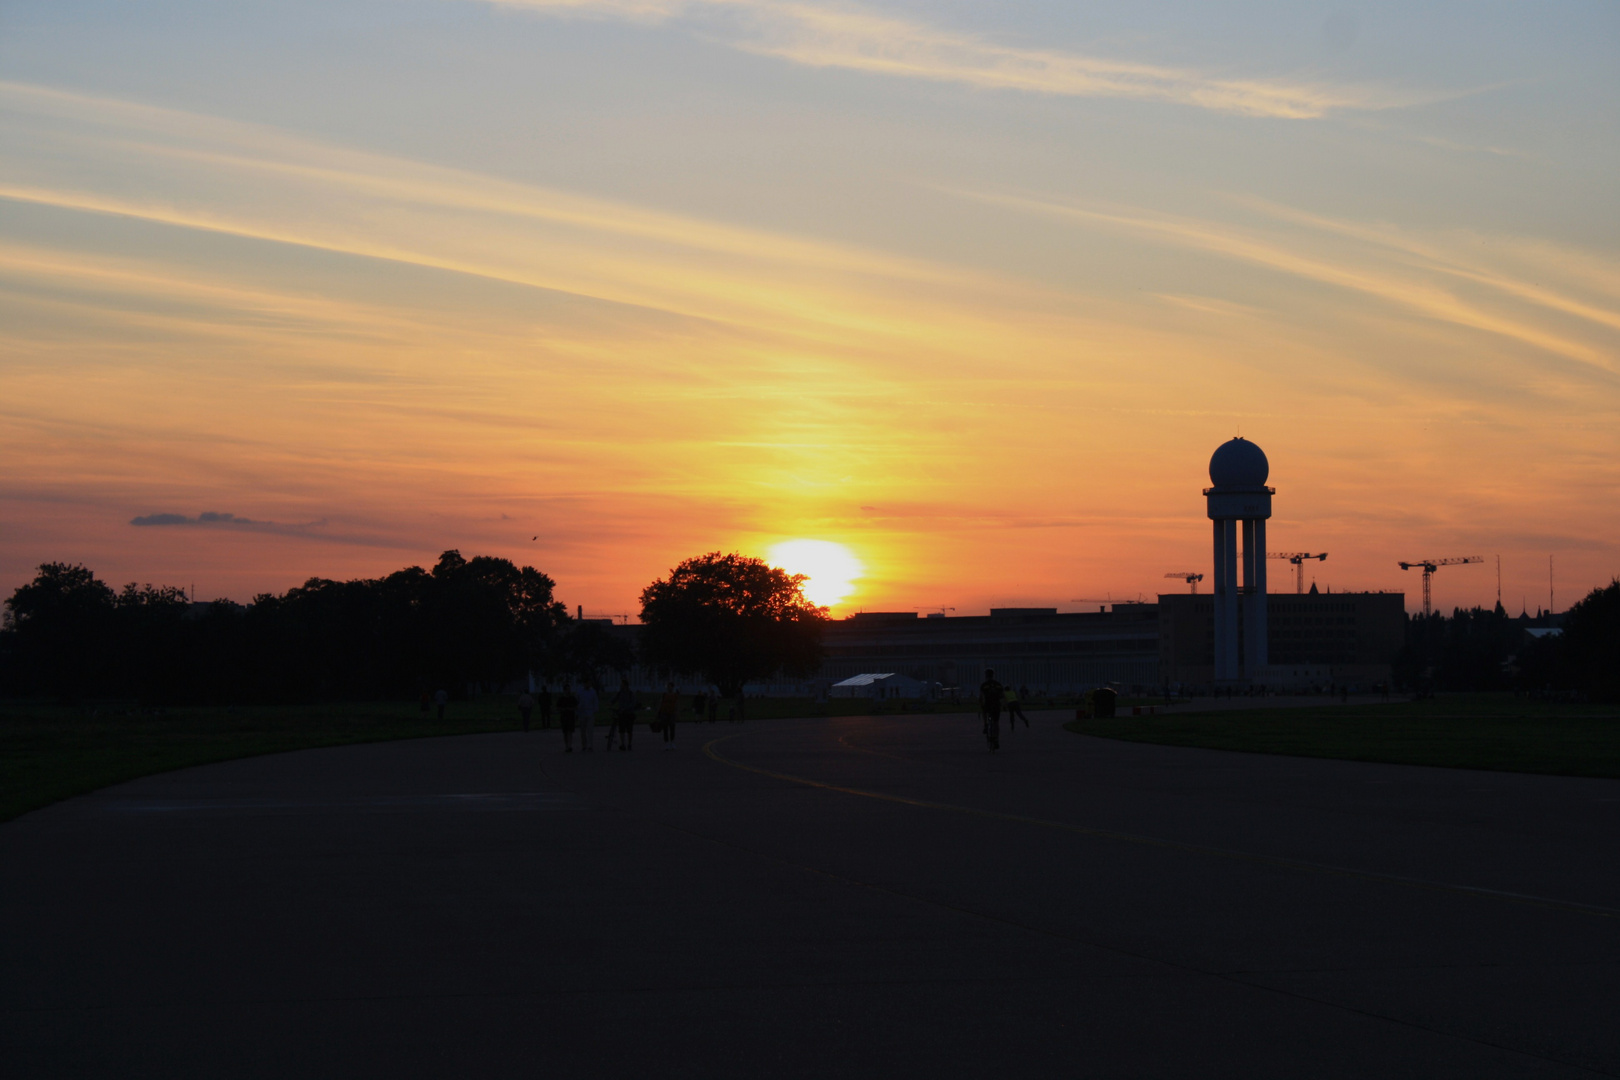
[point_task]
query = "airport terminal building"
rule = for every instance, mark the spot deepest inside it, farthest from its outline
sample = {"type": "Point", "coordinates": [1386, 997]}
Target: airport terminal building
{"type": "Point", "coordinates": [1034, 647]}
{"type": "Point", "coordinates": [1315, 639]}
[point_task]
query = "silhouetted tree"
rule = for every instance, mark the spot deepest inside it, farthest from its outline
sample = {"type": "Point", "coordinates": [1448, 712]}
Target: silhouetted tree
{"type": "Point", "coordinates": [488, 620]}
{"type": "Point", "coordinates": [1590, 643]}
{"type": "Point", "coordinates": [61, 627]}
{"type": "Point", "coordinates": [1470, 649]}
{"type": "Point", "coordinates": [152, 658]}
{"type": "Point", "coordinates": [731, 619]}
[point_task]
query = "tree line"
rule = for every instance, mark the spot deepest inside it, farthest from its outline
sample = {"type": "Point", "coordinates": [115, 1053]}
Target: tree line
{"type": "Point", "coordinates": [1488, 649]}
{"type": "Point", "coordinates": [484, 621]}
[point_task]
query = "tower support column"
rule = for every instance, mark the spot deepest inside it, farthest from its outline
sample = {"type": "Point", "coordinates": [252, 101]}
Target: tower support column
{"type": "Point", "coordinates": [1226, 601]}
{"type": "Point", "coordinates": [1256, 643]}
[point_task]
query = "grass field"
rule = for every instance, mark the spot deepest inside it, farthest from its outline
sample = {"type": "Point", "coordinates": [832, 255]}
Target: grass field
{"type": "Point", "coordinates": [52, 752]}
{"type": "Point", "coordinates": [1462, 731]}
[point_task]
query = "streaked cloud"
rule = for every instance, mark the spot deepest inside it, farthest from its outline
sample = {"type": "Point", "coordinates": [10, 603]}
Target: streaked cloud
{"type": "Point", "coordinates": [1399, 269]}
{"type": "Point", "coordinates": [863, 39]}
{"type": "Point", "coordinates": [332, 199]}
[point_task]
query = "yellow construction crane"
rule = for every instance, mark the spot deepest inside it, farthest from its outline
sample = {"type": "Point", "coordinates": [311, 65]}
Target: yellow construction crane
{"type": "Point", "coordinates": [1429, 566]}
{"type": "Point", "coordinates": [1189, 577]}
{"type": "Point", "coordinates": [1298, 558]}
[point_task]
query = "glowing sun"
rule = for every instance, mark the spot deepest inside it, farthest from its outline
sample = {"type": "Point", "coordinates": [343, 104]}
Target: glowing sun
{"type": "Point", "coordinates": [832, 568]}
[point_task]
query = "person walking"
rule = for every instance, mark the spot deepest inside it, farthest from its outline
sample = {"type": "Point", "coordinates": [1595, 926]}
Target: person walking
{"type": "Point", "coordinates": [1015, 711]}
{"type": "Point", "coordinates": [567, 713]}
{"type": "Point", "coordinates": [624, 715]}
{"type": "Point", "coordinates": [525, 709]}
{"type": "Point", "coordinates": [545, 705]}
{"type": "Point", "coordinates": [588, 704]}
{"type": "Point", "coordinates": [711, 700]}
{"type": "Point", "coordinates": [990, 695]}
{"type": "Point", "coordinates": [441, 699]}
{"type": "Point", "coordinates": [669, 707]}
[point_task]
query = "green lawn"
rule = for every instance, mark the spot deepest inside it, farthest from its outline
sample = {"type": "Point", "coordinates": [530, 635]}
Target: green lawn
{"type": "Point", "coordinates": [51, 752]}
{"type": "Point", "coordinates": [1462, 731]}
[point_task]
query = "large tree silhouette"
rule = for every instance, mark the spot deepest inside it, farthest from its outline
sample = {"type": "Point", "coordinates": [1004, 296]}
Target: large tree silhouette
{"type": "Point", "coordinates": [732, 620]}
{"type": "Point", "coordinates": [1591, 643]}
{"type": "Point", "coordinates": [61, 625]}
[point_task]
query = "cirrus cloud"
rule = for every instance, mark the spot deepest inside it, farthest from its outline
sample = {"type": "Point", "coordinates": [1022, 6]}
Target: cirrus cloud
{"type": "Point", "coordinates": [863, 39]}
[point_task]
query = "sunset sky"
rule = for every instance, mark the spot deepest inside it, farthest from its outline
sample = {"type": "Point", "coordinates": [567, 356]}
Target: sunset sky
{"type": "Point", "coordinates": [293, 289]}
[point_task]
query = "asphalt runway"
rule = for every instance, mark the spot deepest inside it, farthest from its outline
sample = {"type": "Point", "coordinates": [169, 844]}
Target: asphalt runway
{"type": "Point", "coordinates": [854, 897]}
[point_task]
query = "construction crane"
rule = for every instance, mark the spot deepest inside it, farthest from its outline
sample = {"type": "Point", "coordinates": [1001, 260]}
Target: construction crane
{"type": "Point", "coordinates": [1190, 578]}
{"type": "Point", "coordinates": [1298, 558]}
{"type": "Point", "coordinates": [1429, 566]}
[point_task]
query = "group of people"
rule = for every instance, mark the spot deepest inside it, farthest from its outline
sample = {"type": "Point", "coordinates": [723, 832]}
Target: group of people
{"type": "Point", "coordinates": [993, 697]}
{"type": "Point", "coordinates": [577, 709]}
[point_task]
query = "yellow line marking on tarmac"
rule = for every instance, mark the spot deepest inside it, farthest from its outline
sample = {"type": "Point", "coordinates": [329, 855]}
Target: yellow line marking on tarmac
{"type": "Point", "coordinates": [1168, 845]}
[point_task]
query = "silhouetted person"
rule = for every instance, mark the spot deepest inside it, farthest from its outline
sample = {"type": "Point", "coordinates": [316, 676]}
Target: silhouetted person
{"type": "Point", "coordinates": [441, 699]}
{"type": "Point", "coordinates": [525, 709]}
{"type": "Point", "coordinates": [669, 707]}
{"type": "Point", "coordinates": [545, 705]}
{"type": "Point", "coordinates": [990, 693]}
{"type": "Point", "coordinates": [624, 714]}
{"type": "Point", "coordinates": [567, 713]}
{"type": "Point", "coordinates": [712, 700]}
{"type": "Point", "coordinates": [588, 703]}
{"type": "Point", "coordinates": [1015, 711]}
{"type": "Point", "coordinates": [698, 702]}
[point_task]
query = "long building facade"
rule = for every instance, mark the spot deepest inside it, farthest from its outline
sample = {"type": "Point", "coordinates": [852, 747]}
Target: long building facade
{"type": "Point", "coordinates": [1034, 647]}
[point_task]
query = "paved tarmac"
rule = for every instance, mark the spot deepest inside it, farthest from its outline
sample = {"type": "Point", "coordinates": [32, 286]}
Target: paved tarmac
{"type": "Point", "coordinates": [853, 897]}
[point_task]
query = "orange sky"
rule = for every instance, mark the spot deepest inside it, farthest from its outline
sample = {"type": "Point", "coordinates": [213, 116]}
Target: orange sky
{"type": "Point", "coordinates": [980, 325]}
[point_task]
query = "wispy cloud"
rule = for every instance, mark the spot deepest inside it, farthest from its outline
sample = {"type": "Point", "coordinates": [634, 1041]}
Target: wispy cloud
{"type": "Point", "coordinates": [213, 519]}
{"type": "Point", "coordinates": [1415, 279]}
{"type": "Point", "coordinates": [308, 530]}
{"type": "Point", "coordinates": [207, 517]}
{"type": "Point", "coordinates": [862, 39]}
{"type": "Point", "coordinates": [334, 199]}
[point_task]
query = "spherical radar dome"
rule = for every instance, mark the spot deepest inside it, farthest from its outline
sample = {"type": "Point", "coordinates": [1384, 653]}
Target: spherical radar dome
{"type": "Point", "coordinates": [1239, 464]}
